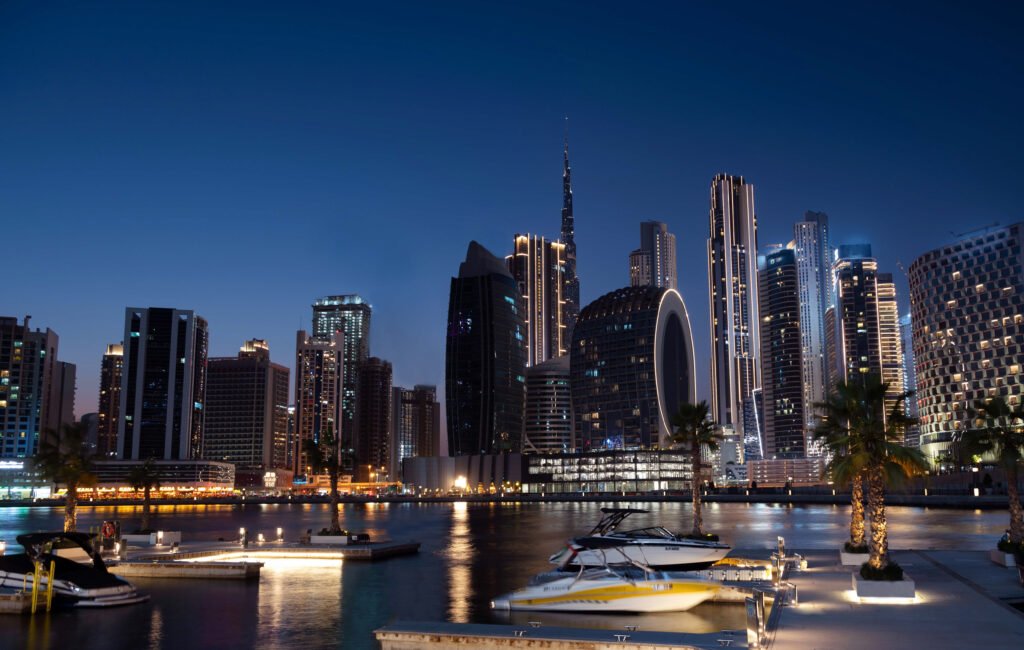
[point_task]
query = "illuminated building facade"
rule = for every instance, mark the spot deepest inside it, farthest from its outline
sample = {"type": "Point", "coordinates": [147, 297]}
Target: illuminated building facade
{"type": "Point", "coordinates": [568, 238]}
{"type": "Point", "coordinates": [967, 314]}
{"type": "Point", "coordinates": [857, 353]}
{"type": "Point", "coordinates": [732, 289]}
{"type": "Point", "coordinates": [548, 427]}
{"type": "Point", "coordinates": [108, 415]}
{"type": "Point", "coordinates": [415, 425]}
{"type": "Point", "coordinates": [31, 399]}
{"type": "Point", "coordinates": [654, 263]}
{"type": "Point", "coordinates": [163, 388]}
{"type": "Point", "coordinates": [814, 274]}
{"type": "Point", "coordinates": [538, 267]}
{"type": "Point", "coordinates": [631, 367]}
{"type": "Point", "coordinates": [373, 417]}
{"type": "Point", "coordinates": [485, 357]}
{"type": "Point", "coordinates": [912, 436]}
{"type": "Point", "coordinates": [889, 341]}
{"type": "Point", "coordinates": [317, 391]}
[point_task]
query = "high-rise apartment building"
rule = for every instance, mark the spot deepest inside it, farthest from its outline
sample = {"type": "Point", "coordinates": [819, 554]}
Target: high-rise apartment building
{"type": "Point", "coordinates": [857, 352]}
{"type": "Point", "coordinates": [247, 412]}
{"type": "Point", "coordinates": [568, 238]}
{"type": "Point", "coordinates": [163, 387]}
{"type": "Point", "coordinates": [415, 425]}
{"type": "Point", "coordinates": [61, 401]}
{"type": "Point", "coordinates": [912, 436]}
{"type": "Point", "coordinates": [348, 315]}
{"type": "Point", "coordinates": [108, 416]}
{"type": "Point", "coordinates": [538, 267]}
{"type": "Point", "coordinates": [654, 263]}
{"type": "Point", "coordinates": [373, 418]}
{"type": "Point", "coordinates": [889, 341]}
{"type": "Point", "coordinates": [549, 421]}
{"type": "Point", "coordinates": [317, 392]}
{"type": "Point", "coordinates": [732, 283]}
{"type": "Point", "coordinates": [485, 357]}
{"type": "Point", "coordinates": [967, 313]}
{"type": "Point", "coordinates": [784, 425]}
{"type": "Point", "coordinates": [814, 273]}
{"type": "Point", "coordinates": [29, 371]}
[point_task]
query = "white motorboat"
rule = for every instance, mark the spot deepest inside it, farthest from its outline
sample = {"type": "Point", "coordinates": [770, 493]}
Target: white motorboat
{"type": "Point", "coordinates": [655, 547]}
{"type": "Point", "coordinates": [612, 588]}
{"type": "Point", "coordinates": [80, 582]}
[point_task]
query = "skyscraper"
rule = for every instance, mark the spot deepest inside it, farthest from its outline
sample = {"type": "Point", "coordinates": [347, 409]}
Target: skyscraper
{"type": "Point", "coordinates": [317, 391]}
{"type": "Point", "coordinates": [912, 436]}
{"type": "Point", "coordinates": [538, 267]}
{"type": "Point", "coordinates": [108, 416]}
{"type": "Point", "coordinates": [415, 425]}
{"type": "Point", "coordinates": [889, 341]}
{"type": "Point", "coordinates": [967, 312]}
{"type": "Point", "coordinates": [373, 417]}
{"type": "Point", "coordinates": [568, 237]}
{"type": "Point", "coordinates": [654, 263]}
{"type": "Point", "coordinates": [349, 315]}
{"type": "Point", "coordinates": [732, 282]}
{"type": "Point", "coordinates": [247, 412]}
{"type": "Point", "coordinates": [28, 371]}
{"type": "Point", "coordinates": [163, 388]}
{"type": "Point", "coordinates": [857, 352]}
{"type": "Point", "coordinates": [61, 401]}
{"type": "Point", "coordinates": [485, 358]}
{"type": "Point", "coordinates": [814, 273]}
{"type": "Point", "coordinates": [549, 421]}
{"type": "Point", "coordinates": [781, 350]}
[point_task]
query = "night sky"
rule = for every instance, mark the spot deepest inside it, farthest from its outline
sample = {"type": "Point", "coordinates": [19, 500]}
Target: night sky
{"type": "Point", "coordinates": [242, 159]}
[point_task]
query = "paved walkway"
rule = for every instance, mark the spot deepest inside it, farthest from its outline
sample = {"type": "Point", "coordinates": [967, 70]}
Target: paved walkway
{"type": "Point", "coordinates": [959, 606]}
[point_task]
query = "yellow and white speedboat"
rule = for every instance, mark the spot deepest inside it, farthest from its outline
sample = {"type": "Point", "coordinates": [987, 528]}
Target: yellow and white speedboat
{"type": "Point", "coordinates": [612, 588]}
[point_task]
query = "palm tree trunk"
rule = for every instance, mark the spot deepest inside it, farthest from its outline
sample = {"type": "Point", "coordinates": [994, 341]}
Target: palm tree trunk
{"type": "Point", "coordinates": [1016, 512]}
{"type": "Point", "coordinates": [857, 516]}
{"type": "Point", "coordinates": [145, 508]}
{"type": "Point", "coordinates": [698, 522]}
{"type": "Point", "coordinates": [70, 505]}
{"type": "Point", "coordinates": [879, 557]}
{"type": "Point", "coordinates": [335, 525]}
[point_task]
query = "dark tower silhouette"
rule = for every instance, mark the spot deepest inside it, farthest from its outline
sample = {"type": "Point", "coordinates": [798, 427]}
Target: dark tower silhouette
{"type": "Point", "coordinates": [572, 283]}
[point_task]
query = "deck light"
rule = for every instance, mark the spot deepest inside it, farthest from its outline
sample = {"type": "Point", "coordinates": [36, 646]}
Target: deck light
{"type": "Point", "coordinates": [3, 546]}
{"type": "Point", "coordinates": [280, 534]}
{"type": "Point", "coordinates": [260, 539]}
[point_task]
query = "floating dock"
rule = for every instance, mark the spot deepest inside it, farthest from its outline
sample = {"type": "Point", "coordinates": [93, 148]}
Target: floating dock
{"type": "Point", "coordinates": [17, 603]}
{"type": "Point", "coordinates": [182, 569]}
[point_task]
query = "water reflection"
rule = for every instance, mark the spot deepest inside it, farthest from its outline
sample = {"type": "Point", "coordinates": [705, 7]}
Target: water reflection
{"type": "Point", "coordinates": [460, 559]}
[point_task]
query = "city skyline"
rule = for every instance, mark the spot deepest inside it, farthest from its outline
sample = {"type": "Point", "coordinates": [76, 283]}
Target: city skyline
{"type": "Point", "coordinates": [218, 173]}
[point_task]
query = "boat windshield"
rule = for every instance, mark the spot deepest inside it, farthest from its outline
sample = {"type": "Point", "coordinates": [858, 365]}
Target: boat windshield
{"type": "Point", "coordinates": [654, 531]}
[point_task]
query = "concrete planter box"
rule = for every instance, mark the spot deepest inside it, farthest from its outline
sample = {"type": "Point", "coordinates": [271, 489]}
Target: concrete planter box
{"type": "Point", "coordinates": [853, 559]}
{"type": "Point", "coordinates": [166, 537]}
{"type": "Point", "coordinates": [883, 588]}
{"type": "Point", "coordinates": [1002, 559]}
{"type": "Point", "coordinates": [335, 540]}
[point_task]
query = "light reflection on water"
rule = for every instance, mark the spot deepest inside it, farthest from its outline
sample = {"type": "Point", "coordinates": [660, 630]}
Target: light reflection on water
{"type": "Point", "coordinates": [470, 554]}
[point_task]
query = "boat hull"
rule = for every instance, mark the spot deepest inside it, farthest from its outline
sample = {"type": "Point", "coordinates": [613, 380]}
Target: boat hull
{"type": "Point", "coordinates": [648, 596]}
{"type": "Point", "coordinates": [90, 588]}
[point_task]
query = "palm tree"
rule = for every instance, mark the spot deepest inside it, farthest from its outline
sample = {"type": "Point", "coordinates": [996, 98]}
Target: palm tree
{"type": "Point", "coordinates": [838, 432]}
{"type": "Point", "coordinates": [64, 457]}
{"type": "Point", "coordinates": [322, 456]}
{"type": "Point", "coordinates": [145, 477]}
{"type": "Point", "coordinates": [695, 432]}
{"type": "Point", "coordinates": [866, 442]}
{"type": "Point", "coordinates": [999, 434]}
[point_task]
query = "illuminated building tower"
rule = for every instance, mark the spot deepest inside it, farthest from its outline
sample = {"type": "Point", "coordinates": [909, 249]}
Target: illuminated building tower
{"type": "Point", "coordinates": [485, 357]}
{"type": "Point", "coordinates": [163, 387]}
{"type": "Point", "coordinates": [415, 425]}
{"type": "Point", "coordinates": [912, 435]}
{"type": "Point", "coordinates": [814, 272]}
{"type": "Point", "coordinates": [538, 267]}
{"type": "Point", "coordinates": [781, 347]}
{"type": "Point", "coordinates": [373, 418]}
{"type": "Point", "coordinates": [967, 311]}
{"type": "Point", "coordinates": [247, 412]}
{"type": "Point", "coordinates": [548, 427]}
{"type": "Point", "coordinates": [889, 341]}
{"type": "Point", "coordinates": [29, 371]}
{"type": "Point", "coordinates": [857, 353]}
{"type": "Point", "coordinates": [631, 367]}
{"type": "Point", "coordinates": [568, 238]}
{"type": "Point", "coordinates": [349, 315]}
{"type": "Point", "coordinates": [732, 282]}
{"type": "Point", "coordinates": [317, 391]}
{"type": "Point", "coordinates": [654, 263]}
{"type": "Point", "coordinates": [110, 400]}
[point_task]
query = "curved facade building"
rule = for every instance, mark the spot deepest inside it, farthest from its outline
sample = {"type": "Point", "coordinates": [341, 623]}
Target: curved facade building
{"type": "Point", "coordinates": [631, 368]}
{"type": "Point", "coordinates": [548, 427]}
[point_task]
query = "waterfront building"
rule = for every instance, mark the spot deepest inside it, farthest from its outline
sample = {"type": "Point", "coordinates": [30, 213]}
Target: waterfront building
{"type": "Point", "coordinates": [571, 295]}
{"type": "Point", "coordinates": [814, 282]}
{"type": "Point", "coordinates": [781, 472]}
{"type": "Point", "coordinates": [856, 352]}
{"type": "Point", "coordinates": [727, 464]}
{"type": "Point", "coordinates": [549, 419]}
{"type": "Point", "coordinates": [889, 341]}
{"type": "Point", "coordinates": [292, 444]}
{"type": "Point", "coordinates": [538, 267]}
{"type": "Point", "coordinates": [247, 413]}
{"type": "Point", "coordinates": [317, 392]}
{"type": "Point", "coordinates": [347, 316]}
{"type": "Point", "coordinates": [631, 367]}
{"type": "Point", "coordinates": [782, 370]}
{"type": "Point", "coordinates": [373, 418]}
{"type": "Point", "coordinates": [485, 357]}
{"type": "Point", "coordinates": [732, 283]}
{"type": "Point", "coordinates": [61, 400]}
{"type": "Point", "coordinates": [178, 478]}
{"type": "Point", "coordinates": [163, 384]}
{"type": "Point", "coordinates": [912, 436]}
{"type": "Point", "coordinates": [108, 415]}
{"type": "Point", "coordinates": [31, 393]}
{"type": "Point", "coordinates": [415, 425]}
{"type": "Point", "coordinates": [967, 314]}
{"type": "Point", "coordinates": [654, 263]}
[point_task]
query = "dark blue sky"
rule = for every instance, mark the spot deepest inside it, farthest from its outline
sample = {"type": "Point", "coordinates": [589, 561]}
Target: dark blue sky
{"type": "Point", "coordinates": [241, 159]}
